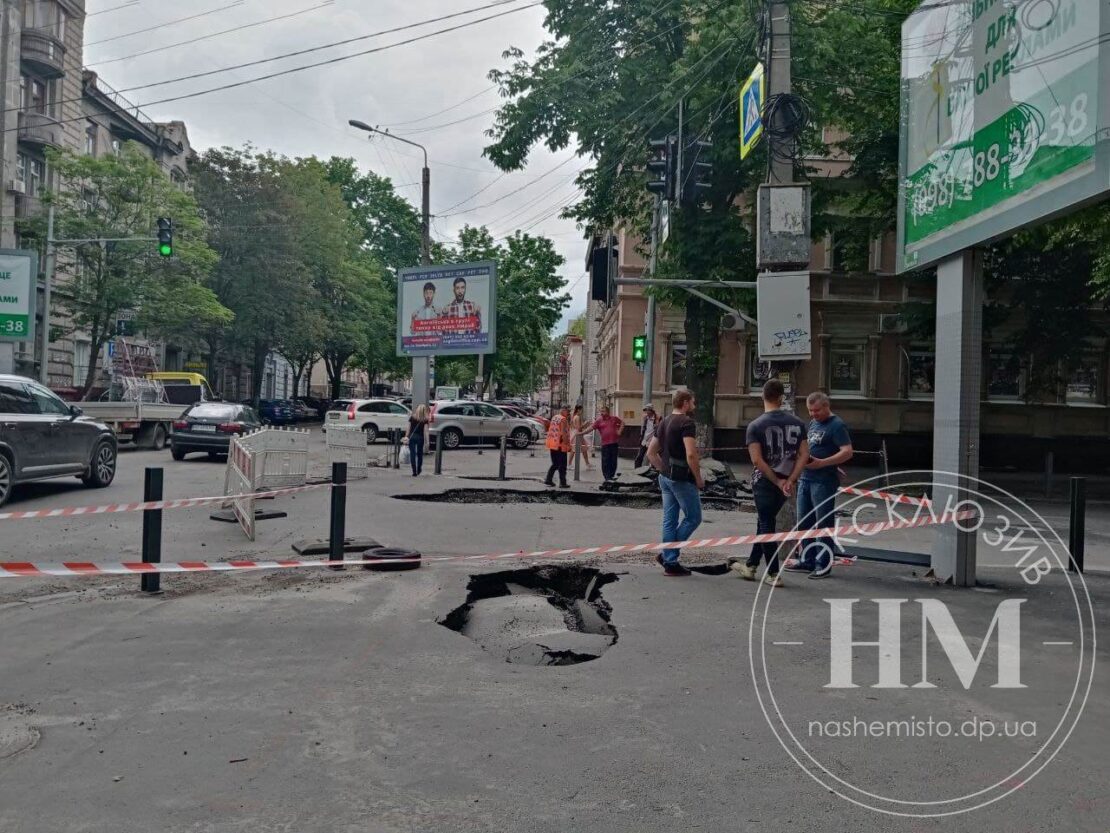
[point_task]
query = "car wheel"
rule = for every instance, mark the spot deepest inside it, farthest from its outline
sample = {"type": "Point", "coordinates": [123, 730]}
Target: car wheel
{"type": "Point", "coordinates": [452, 438]}
{"type": "Point", "coordinates": [521, 438]}
{"type": "Point", "coordinates": [371, 432]}
{"type": "Point", "coordinates": [7, 476]}
{"type": "Point", "coordinates": [158, 438]}
{"type": "Point", "coordinates": [214, 455]}
{"type": "Point", "coordinates": [178, 453]}
{"type": "Point", "coordinates": [102, 469]}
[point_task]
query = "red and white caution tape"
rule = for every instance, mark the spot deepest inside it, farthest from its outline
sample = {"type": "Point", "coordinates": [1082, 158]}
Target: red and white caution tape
{"type": "Point", "coordinates": [183, 503]}
{"type": "Point", "coordinates": [73, 569]}
{"type": "Point", "coordinates": [890, 497]}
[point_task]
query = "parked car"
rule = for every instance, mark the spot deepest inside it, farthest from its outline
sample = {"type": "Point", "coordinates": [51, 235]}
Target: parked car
{"type": "Point", "coordinates": [209, 427]}
{"type": "Point", "coordinates": [302, 412]}
{"type": "Point", "coordinates": [374, 416]}
{"type": "Point", "coordinates": [275, 412]}
{"type": "Point", "coordinates": [539, 428]}
{"type": "Point", "coordinates": [462, 421]}
{"type": "Point", "coordinates": [43, 437]}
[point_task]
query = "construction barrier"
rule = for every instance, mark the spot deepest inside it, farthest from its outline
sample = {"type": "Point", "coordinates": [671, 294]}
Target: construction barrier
{"type": "Point", "coordinates": [348, 445]}
{"type": "Point", "coordinates": [80, 569]}
{"type": "Point", "coordinates": [271, 458]}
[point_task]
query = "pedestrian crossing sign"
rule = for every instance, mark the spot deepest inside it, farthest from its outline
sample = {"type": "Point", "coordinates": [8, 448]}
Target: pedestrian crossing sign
{"type": "Point", "coordinates": [752, 96]}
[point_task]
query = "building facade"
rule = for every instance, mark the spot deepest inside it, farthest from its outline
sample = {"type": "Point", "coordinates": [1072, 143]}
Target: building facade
{"type": "Point", "coordinates": [879, 376]}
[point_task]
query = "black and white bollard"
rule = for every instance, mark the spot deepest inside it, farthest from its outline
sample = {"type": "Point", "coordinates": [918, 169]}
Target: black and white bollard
{"type": "Point", "coordinates": [338, 527]}
{"type": "Point", "coordinates": [152, 530]}
{"type": "Point", "coordinates": [501, 461]}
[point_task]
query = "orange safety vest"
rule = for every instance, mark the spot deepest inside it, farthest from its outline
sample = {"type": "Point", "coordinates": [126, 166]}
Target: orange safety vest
{"type": "Point", "coordinates": [558, 434]}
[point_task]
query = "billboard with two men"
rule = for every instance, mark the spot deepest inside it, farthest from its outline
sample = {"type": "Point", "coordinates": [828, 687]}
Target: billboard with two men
{"type": "Point", "coordinates": [447, 310]}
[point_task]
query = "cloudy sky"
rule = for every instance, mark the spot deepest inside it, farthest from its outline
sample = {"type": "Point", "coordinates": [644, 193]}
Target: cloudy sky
{"type": "Point", "coordinates": [416, 90]}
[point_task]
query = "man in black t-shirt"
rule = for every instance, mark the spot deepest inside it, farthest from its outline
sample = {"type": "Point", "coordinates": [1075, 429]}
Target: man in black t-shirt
{"type": "Point", "coordinates": [674, 454]}
{"type": "Point", "coordinates": [777, 445]}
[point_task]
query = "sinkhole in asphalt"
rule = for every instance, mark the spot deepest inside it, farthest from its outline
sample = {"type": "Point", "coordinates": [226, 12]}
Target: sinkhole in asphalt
{"type": "Point", "coordinates": [551, 615]}
{"type": "Point", "coordinates": [627, 500]}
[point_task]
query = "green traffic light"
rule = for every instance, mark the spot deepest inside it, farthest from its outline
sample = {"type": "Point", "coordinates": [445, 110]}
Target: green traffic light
{"type": "Point", "coordinates": [165, 250]}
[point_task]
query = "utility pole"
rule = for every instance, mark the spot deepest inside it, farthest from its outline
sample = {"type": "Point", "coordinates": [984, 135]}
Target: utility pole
{"type": "Point", "coordinates": [649, 324]}
{"type": "Point", "coordinates": [421, 373]}
{"type": "Point", "coordinates": [779, 83]}
{"type": "Point", "coordinates": [47, 283]}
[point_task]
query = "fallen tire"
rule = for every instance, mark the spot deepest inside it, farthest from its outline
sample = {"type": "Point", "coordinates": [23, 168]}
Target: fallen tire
{"type": "Point", "coordinates": [390, 559]}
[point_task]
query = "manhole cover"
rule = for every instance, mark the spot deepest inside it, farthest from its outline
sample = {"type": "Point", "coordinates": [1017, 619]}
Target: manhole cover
{"type": "Point", "coordinates": [538, 616]}
{"type": "Point", "coordinates": [16, 732]}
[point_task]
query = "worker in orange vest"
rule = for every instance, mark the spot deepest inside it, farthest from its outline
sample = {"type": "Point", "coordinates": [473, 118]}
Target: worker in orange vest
{"type": "Point", "coordinates": [558, 443]}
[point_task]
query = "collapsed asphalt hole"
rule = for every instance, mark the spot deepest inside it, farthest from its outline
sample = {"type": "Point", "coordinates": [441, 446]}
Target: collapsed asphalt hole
{"type": "Point", "coordinates": [551, 615]}
{"type": "Point", "coordinates": [494, 477]}
{"type": "Point", "coordinates": [634, 500]}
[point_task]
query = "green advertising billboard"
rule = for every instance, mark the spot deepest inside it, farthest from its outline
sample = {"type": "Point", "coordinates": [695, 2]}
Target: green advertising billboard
{"type": "Point", "coordinates": [18, 277]}
{"type": "Point", "coordinates": [1003, 120]}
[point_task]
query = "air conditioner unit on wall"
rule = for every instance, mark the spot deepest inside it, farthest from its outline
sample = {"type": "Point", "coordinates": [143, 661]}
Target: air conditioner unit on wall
{"type": "Point", "coordinates": [732, 323]}
{"type": "Point", "coordinates": [892, 323]}
{"type": "Point", "coordinates": [17, 187]}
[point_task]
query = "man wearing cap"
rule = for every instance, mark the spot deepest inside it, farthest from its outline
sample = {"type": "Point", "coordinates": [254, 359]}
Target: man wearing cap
{"type": "Point", "coordinates": [647, 431]}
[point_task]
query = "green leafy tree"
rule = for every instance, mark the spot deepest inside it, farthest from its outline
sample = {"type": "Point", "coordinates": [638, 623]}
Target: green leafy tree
{"type": "Point", "coordinates": [577, 326]}
{"type": "Point", "coordinates": [121, 196]}
{"type": "Point", "coordinates": [645, 57]}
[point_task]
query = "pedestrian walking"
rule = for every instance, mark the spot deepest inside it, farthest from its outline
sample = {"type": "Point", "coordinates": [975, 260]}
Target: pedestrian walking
{"type": "Point", "coordinates": [610, 428]}
{"type": "Point", "coordinates": [417, 438]}
{"type": "Point", "coordinates": [777, 445]}
{"type": "Point", "coordinates": [576, 420]}
{"type": "Point", "coordinates": [558, 443]}
{"type": "Point", "coordinates": [647, 431]}
{"type": "Point", "coordinates": [673, 452]}
{"type": "Point", "coordinates": [830, 445]}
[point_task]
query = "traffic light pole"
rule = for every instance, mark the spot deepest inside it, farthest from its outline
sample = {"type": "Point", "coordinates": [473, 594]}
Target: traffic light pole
{"type": "Point", "coordinates": [421, 365]}
{"type": "Point", "coordinates": [649, 324]}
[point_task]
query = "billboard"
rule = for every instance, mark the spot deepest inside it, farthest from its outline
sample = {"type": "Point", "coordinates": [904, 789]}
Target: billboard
{"type": "Point", "coordinates": [18, 277]}
{"type": "Point", "coordinates": [1003, 120]}
{"type": "Point", "coordinates": [447, 310]}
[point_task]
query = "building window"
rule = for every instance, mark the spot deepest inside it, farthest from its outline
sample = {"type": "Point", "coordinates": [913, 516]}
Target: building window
{"type": "Point", "coordinates": [1083, 387]}
{"type": "Point", "coordinates": [678, 364]}
{"type": "Point", "coordinates": [33, 95]}
{"type": "Point", "coordinates": [21, 172]}
{"type": "Point", "coordinates": [922, 372]}
{"type": "Point", "coordinates": [1005, 377]}
{"type": "Point", "coordinates": [90, 140]}
{"type": "Point", "coordinates": [82, 355]}
{"type": "Point", "coordinates": [36, 175]}
{"type": "Point", "coordinates": [759, 372]}
{"type": "Point", "coordinates": [846, 369]}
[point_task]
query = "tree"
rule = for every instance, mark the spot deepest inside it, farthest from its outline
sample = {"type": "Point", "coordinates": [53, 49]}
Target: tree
{"type": "Point", "coordinates": [645, 58]}
{"type": "Point", "coordinates": [252, 215]}
{"type": "Point", "coordinates": [577, 326]}
{"type": "Point", "coordinates": [529, 305]}
{"type": "Point", "coordinates": [121, 196]}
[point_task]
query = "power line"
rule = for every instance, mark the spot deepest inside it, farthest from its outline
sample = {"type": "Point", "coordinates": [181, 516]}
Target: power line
{"type": "Point", "coordinates": [294, 70]}
{"type": "Point", "coordinates": [209, 36]}
{"type": "Point", "coordinates": [167, 23]}
{"type": "Point", "coordinates": [113, 9]}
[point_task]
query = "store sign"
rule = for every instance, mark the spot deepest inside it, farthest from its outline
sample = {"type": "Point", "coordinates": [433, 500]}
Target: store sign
{"type": "Point", "coordinates": [18, 272]}
{"type": "Point", "coordinates": [1002, 120]}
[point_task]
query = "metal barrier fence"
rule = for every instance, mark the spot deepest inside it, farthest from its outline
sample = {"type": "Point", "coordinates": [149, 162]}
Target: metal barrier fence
{"type": "Point", "coordinates": [272, 458]}
{"type": "Point", "coordinates": [348, 446]}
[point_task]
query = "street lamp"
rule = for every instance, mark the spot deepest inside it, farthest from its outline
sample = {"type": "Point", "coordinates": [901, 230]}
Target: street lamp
{"type": "Point", "coordinates": [421, 365]}
{"type": "Point", "coordinates": [426, 186]}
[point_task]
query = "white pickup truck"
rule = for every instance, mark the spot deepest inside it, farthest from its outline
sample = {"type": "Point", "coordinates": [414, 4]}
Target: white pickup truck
{"type": "Point", "coordinates": [145, 424]}
{"type": "Point", "coordinates": [148, 424]}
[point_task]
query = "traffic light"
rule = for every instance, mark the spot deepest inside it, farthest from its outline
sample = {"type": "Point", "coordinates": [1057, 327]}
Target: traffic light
{"type": "Point", "coordinates": [661, 167]}
{"type": "Point", "coordinates": [697, 171]}
{"type": "Point", "coordinates": [165, 237]}
{"type": "Point", "coordinates": [639, 349]}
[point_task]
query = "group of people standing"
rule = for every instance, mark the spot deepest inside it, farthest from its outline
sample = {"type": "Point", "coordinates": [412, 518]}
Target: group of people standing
{"type": "Point", "coordinates": [790, 460]}
{"type": "Point", "coordinates": [565, 427]}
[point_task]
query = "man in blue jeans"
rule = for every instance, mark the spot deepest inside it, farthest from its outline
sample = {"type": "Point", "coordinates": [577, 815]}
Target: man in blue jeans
{"type": "Point", "coordinates": [673, 452]}
{"type": "Point", "coordinates": [777, 445]}
{"type": "Point", "coordinates": [830, 445]}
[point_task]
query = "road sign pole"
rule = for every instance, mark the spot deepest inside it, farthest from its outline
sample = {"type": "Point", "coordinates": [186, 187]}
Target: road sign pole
{"type": "Point", "coordinates": [47, 284]}
{"type": "Point", "coordinates": [959, 368]}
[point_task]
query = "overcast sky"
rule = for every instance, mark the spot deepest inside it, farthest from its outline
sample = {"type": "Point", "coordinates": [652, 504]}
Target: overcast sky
{"type": "Point", "coordinates": [306, 113]}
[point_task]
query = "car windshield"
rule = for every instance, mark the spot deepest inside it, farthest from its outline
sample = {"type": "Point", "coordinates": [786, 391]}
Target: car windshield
{"type": "Point", "coordinates": [340, 404]}
{"type": "Point", "coordinates": [214, 410]}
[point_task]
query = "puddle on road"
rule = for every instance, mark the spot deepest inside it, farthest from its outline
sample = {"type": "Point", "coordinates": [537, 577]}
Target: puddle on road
{"type": "Point", "coordinates": [566, 497]}
{"type": "Point", "coordinates": [552, 615]}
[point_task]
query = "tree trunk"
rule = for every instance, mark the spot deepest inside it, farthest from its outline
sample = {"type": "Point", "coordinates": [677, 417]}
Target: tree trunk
{"type": "Point", "coordinates": [258, 364]}
{"type": "Point", "coordinates": [334, 363]}
{"type": "Point", "coordinates": [702, 359]}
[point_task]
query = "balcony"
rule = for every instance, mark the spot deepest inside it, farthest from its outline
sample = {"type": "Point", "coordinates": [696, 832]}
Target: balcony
{"type": "Point", "coordinates": [43, 53]}
{"type": "Point", "coordinates": [39, 130]}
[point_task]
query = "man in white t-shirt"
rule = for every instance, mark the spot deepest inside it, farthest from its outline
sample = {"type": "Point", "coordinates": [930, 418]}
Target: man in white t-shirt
{"type": "Point", "coordinates": [647, 431]}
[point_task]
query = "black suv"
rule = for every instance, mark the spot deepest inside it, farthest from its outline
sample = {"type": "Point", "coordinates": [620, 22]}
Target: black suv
{"type": "Point", "coordinates": [42, 437]}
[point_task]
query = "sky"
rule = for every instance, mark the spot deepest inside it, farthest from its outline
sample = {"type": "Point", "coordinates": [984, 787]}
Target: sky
{"type": "Point", "coordinates": [414, 90]}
